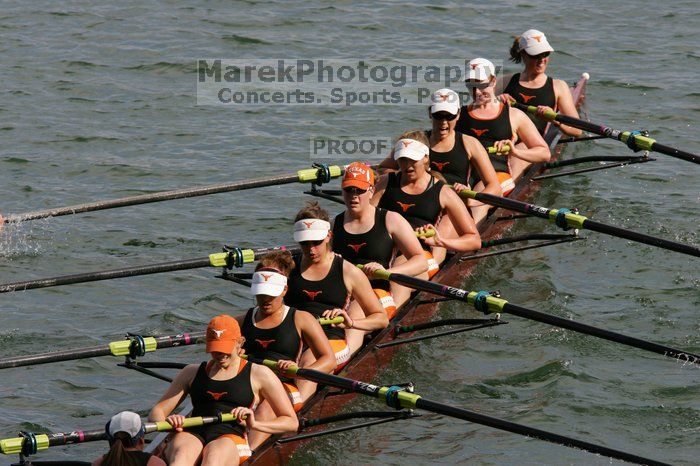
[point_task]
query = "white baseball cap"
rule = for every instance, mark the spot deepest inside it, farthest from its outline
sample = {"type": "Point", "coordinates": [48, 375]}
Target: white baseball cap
{"type": "Point", "coordinates": [534, 42]}
{"type": "Point", "coordinates": [410, 149]}
{"type": "Point", "coordinates": [127, 422]}
{"type": "Point", "coordinates": [480, 69]}
{"type": "Point", "coordinates": [268, 282]}
{"type": "Point", "coordinates": [311, 229]}
{"type": "Point", "coordinates": [445, 100]}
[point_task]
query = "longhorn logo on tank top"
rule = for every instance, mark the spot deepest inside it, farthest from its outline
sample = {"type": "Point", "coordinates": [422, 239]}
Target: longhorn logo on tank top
{"type": "Point", "coordinates": [312, 294]}
{"type": "Point", "coordinates": [440, 165]}
{"type": "Point", "coordinates": [479, 132]}
{"type": "Point", "coordinates": [215, 395]}
{"type": "Point", "coordinates": [357, 247]}
{"type": "Point", "coordinates": [526, 98]}
{"type": "Point", "coordinates": [265, 343]}
{"type": "Point", "coordinates": [405, 207]}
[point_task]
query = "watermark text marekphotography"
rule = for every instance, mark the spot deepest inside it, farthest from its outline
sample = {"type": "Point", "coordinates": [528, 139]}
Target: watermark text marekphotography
{"type": "Point", "coordinates": [365, 148]}
{"type": "Point", "coordinates": [345, 82]}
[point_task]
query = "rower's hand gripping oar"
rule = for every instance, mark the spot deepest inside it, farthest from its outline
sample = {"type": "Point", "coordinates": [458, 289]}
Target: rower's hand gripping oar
{"type": "Point", "coordinates": [486, 303]}
{"type": "Point", "coordinates": [635, 140]}
{"type": "Point", "coordinates": [318, 175]}
{"type": "Point", "coordinates": [398, 398]}
{"type": "Point", "coordinates": [566, 219]}
{"type": "Point", "coordinates": [30, 443]}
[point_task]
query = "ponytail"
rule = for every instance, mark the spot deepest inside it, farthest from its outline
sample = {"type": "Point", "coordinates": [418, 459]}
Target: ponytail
{"type": "Point", "coordinates": [515, 56]}
{"type": "Point", "coordinates": [117, 454]}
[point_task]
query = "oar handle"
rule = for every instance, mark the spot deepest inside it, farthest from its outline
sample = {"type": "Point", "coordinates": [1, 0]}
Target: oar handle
{"type": "Point", "coordinates": [333, 321]}
{"type": "Point", "coordinates": [426, 234]}
{"type": "Point", "coordinates": [491, 150]}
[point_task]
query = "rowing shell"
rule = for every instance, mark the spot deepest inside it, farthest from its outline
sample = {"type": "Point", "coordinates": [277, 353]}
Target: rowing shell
{"type": "Point", "coordinates": [365, 363]}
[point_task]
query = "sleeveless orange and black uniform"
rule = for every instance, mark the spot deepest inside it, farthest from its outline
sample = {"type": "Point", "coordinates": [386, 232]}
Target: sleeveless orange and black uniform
{"type": "Point", "coordinates": [211, 397]}
{"type": "Point", "coordinates": [453, 164]}
{"type": "Point", "coordinates": [488, 131]}
{"type": "Point", "coordinates": [280, 342]}
{"type": "Point", "coordinates": [541, 96]}
{"type": "Point", "coordinates": [418, 209]}
{"type": "Point", "coordinates": [375, 245]}
{"type": "Point", "coordinates": [315, 297]}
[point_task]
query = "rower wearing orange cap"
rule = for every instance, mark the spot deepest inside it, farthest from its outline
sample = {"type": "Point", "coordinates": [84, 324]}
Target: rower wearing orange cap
{"type": "Point", "coordinates": [496, 124]}
{"type": "Point", "coordinates": [273, 330]}
{"type": "Point", "coordinates": [365, 234]}
{"type": "Point", "coordinates": [323, 283]}
{"type": "Point", "coordinates": [226, 383]}
{"type": "Point", "coordinates": [422, 200]}
{"type": "Point", "coordinates": [532, 86]}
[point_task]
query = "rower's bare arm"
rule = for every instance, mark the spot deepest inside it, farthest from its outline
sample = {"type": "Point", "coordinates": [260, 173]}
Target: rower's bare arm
{"type": "Point", "coordinates": [469, 238]}
{"type": "Point", "coordinates": [536, 148]}
{"type": "Point", "coordinates": [313, 336]}
{"type": "Point", "coordinates": [176, 392]}
{"type": "Point", "coordinates": [361, 291]}
{"type": "Point", "coordinates": [268, 387]}
{"type": "Point", "coordinates": [379, 188]}
{"type": "Point", "coordinates": [483, 166]}
{"type": "Point", "coordinates": [566, 106]}
{"type": "Point", "coordinates": [388, 164]}
{"type": "Point", "coordinates": [404, 237]}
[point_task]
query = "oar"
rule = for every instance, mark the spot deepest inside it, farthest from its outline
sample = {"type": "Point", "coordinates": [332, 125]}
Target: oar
{"type": "Point", "coordinates": [634, 139]}
{"type": "Point", "coordinates": [486, 303]}
{"type": "Point", "coordinates": [134, 346]}
{"type": "Point", "coordinates": [319, 174]}
{"type": "Point", "coordinates": [235, 257]}
{"type": "Point", "coordinates": [565, 219]}
{"type": "Point", "coordinates": [31, 443]}
{"type": "Point", "coordinates": [397, 398]}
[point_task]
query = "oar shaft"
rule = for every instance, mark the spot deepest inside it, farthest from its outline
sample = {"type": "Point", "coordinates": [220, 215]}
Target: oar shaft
{"type": "Point", "coordinates": [533, 432]}
{"type": "Point", "coordinates": [641, 142]}
{"type": "Point", "coordinates": [306, 175]}
{"type": "Point", "coordinates": [501, 305]}
{"type": "Point", "coordinates": [116, 348]}
{"type": "Point", "coordinates": [579, 221]}
{"type": "Point", "coordinates": [641, 237]}
{"type": "Point", "coordinates": [412, 401]}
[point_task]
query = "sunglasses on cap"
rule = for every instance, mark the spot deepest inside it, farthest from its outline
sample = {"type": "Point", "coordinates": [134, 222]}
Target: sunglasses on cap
{"type": "Point", "coordinates": [309, 244]}
{"type": "Point", "coordinates": [481, 85]}
{"type": "Point", "coordinates": [538, 56]}
{"type": "Point", "coordinates": [447, 116]}
{"type": "Point", "coordinates": [354, 191]}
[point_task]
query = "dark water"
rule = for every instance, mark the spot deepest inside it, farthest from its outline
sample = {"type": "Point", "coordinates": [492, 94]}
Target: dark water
{"type": "Point", "coordinates": [99, 101]}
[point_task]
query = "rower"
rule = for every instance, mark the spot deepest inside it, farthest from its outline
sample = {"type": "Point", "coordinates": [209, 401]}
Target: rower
{"type": "Point", "coordinates": [126, 436]}
{"type": "Point", "coordinates": [421, 199]}
{"type": "Point", "coordinates": [532, 86]}
{"type": "Point", "coordinates": [275, 331]}
{"type": "Point", "coordinates": [364, 234]}
{"type": "Point", "coordinates": [323, 283]}
{"type": "Point", "coordinates": [496, 124]}
{"type": "Point", "coordinates": [227, 383]}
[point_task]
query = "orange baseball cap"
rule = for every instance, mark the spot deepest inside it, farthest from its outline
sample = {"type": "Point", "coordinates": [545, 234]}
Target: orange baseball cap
{"type": "Point", "coordinates": [223, 332]}
{"type": "Point", "coordinates": [359, 175]}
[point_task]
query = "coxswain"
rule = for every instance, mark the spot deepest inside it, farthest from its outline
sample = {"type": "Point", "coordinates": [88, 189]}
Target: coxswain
{"type": "Point", "coordinates": [497, 124]}
{"type": "Point", "coordinates": [323, 283]}
{"type": "Point", "coordinates": [532, 86]}
{"type": "Point", "coordinates": [422, 199]}
{"type": "Point", "coordinates": [226, 383]}
{"type": "Point", "coordinates": [272, 330]}
{"type": "Point", "coordinates": [126, 436]}
{"type": "Point", "coordinates": [365, 234]}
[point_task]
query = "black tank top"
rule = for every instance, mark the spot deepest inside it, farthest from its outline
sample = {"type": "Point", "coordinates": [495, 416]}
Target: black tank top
{"type": "Point", "coordinates": [141, 457]}
{"type": "Point", "coordinates": [375, 245]}
{"type": "Point", "coordinates": [541, 96]}
{"type": "Point", "coordinates": [488, 131]}
{"type": "Point", "coordinates": [281, 342]}
{"type": "Point", "coordinates": [210, 397]}
{"type": "Point", "coordinates": [453, 164]}
{"type": "Point", "coordinates": [418, 209]}
{"type": "Point", "coordinates": [318, 296]}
